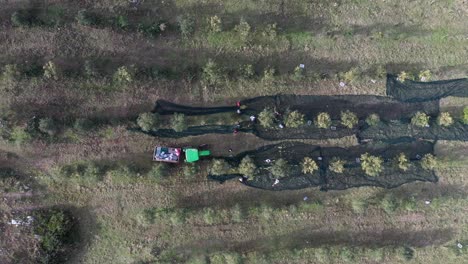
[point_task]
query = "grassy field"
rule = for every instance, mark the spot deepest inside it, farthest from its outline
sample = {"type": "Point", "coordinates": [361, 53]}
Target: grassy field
{"type": "Point", "coordinates": [128, 210]}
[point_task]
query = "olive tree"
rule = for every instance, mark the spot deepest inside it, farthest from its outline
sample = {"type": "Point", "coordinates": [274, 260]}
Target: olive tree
{"type": "Point", "coordinates": [420, 119]}
{"type": "Point", "coordinates": [280, 168]}
{"type": "Point", "coordinates": [266, 118]}
{"type": "Point", "coordinates": [219, 167]}
{"type": "Point", "coordinates": [148, 121]}
{"type": "Point", "coordinates": [371, 165]}
{"type": "Point", "coordinates": [247, 167]}
{"type": "Point", "coordinates": [401, 162]}
{"type": "Point", "coordinates": [373, 119]}
{"type": "Point", "coordinates": [428, 162]}
{"type": "Point", "coordinates": [293, 119]}
{"type": "Point", "coordinates": [323, 120]}
{"type": "Point", "coordinates": [444, 119]}
{"type": "Point", "coordinates": [349, 119]}
{"type": "Point", "coordinates": [336, 165]}
{"type": "Point", "coordinates": [465, 115]}
{"type": "Point", "coordinates": [178, 122]}
{"type": "Point", "coordinates": [309, 165]}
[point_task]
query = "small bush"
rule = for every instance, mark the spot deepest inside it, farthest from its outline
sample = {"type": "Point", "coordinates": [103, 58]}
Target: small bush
{"type": "Point", "coordinates": [268, 76]}
{"type": "Point", "coordinates": [420, 119]}
{"type": "Point", "coordinates": [323, 120]}
{"type": "Point", "coordinates": [247, 71]}
{"type": "Point", "coordinates": [403, 76]}
{"type": "Point", "coordinates": [280, 168]}
{"type": "Point", "coordinates": [48, 126]}
{"type": "Point", "coordinates": [212, 74]}
{"type": "Point", "coordinates": [178, 122]}
{"type": "Point", "coordinates": [266, 118]}
{"type": "Point", "coordinates": [82, 125]}
{"type": "Point", "coordinates": [21, 18]}
{"type": "Point", "coordinates": [351, 75]}
{"type": "Point", "coordinates": [122, 22]}
{"type": "Point", "coordinates": [425, 76]}
{"type": "Point", "coordinates": [186, 25]}
{"type": "Point", "coordinates": [243, 29]}
{"type": "Point", "coordinates": [371, 165]}
{"type": "Point", "coordinates": [50, 71]}
{"type": "Point", "coordinates": [215, 24]}
{"type": "Point", "coordinates": [219, 167]}
{"type": "Point", "coordinates": [298, 74]}
{"type": "Point", "coordinates": [148, 121]}
{"type": "Point", "coordinates": [10, 72]}
{"type": "Point", "coordinates": [349, 119]}
{"type": "Point", "coordinates": [83, 17]}
{"type": "Point", "coordinates": [444, 119]}
{"type": "Point", "coordinates": [190, 169]}
{"type": "Point", "coordinates": [401, 162]}
{"type": "Point", "coordinates": [336, 165]}
{"type": "Point", "coordinates": [294, 119]}
{"type": "Point", "coordinates": [389, 203]}
{"type": "Point", "coordinates": [158, 171]}
{"type": "Point", "coordinates": [210, 216]}
{"type": "Point", "coordinates": [358, 205]}
{"type": "Point", "coordinates": [123, 76]}
{"type": "Point", "coordinates": [247, 167]}
{"type": "Point", "coordinates": [309, 165]}
{"type": "Point", "coordinates": [19, 135]}
{"type": "Point", "coordinates": [270, 32]}
{"type": "Point", "coordinates": [428, 162]}
{"type": "Point", "coordinates": [465, 115]}
{"type": "Point", "coordinates": [373, 119]}
{"type": "Point", "coordinates": [237, 215]}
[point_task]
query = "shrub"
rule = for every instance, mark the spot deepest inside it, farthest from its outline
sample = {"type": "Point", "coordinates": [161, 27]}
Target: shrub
{"type": "Point", "coordinates": [243, 29]}
{"type": "Point", "coordinates": [247, 71]}
{"type": "Point", "coordinates": [186, 25]}
{"type": "Point", "coordinates": [89, 69]}
{"type": "Point", "coordinates": [10, 73]}
{"type": "Point", "coordinates": [358, 205]}
{"type": "Point", "coordinates": [158, 170]}
{"type": "Point", "coordinates": [445, 119]}
{"type": "Point", "coordinates": [190, 169]}
{"type": "Point", "coordinates": [215, 24]}
{"type": "Point", "coordinates": [122, 22]}
{"type": "Point", "coordinates": [266, 118]}
{"type": "Point", "coordinates": [212, 74]}
{"type": "Point", "coordinates": [298, 74]}
{"type": "Point", "coordinates": [380, 71]}
{"type": "Point", "coordinates": [48, 126]}
{"type": "Point", "coordinates": [247, 167]}
{"type": "Point", "coordinates": [408, 253]}
{"type": "Point", "coordinates": [19, 135]}
{"type": "Point", "coordinates": [270, 31]}
{"type": "Point", "coordinates": [420, 119]}
{"type": "Point", "coordinates": [351, 75]}
{"type": "Point", "coordinates": [21, 18]}
{"type": "Point", "coordinates": [178, 122]}
{"type": "Point", "coordinates": [403, 76]}
{"type": "Point", "coordinates": [323, 120]}
{"type": "Point", "coordinates": [210, 216]}
{"type": "Point", "coordinates": [123, 75]}
{"type": "Point", "coordinates": [401, 162]}
{"type": "Point", "coordinates": [50, 70]}
{"type": "Point", "coordinates": [371, 165]}
{"type": "Point", "coordinates": [83, 17]}
{"type": "Point", "coordinates": [309, 165]}
{"type": "Point", "coordinates": [336, 165]}
{"type": "Point", "coordinates": [425, 76]}
{"type": "Point", "coordinates": [465, 115]}
{"type": "Point", "coordinates": [279, 168]}
{"type": "Point", "coordinates": [219, 167]}
{"type": "Point", "coordinates": [373, 119]}
{"type": "Point", "coordinates": [148, 121]}
{"type": "Point", "coordinates": [293, 119]}
{"type": "Point", "coordinates": [349, 119]}
{"type": "Point", "coordinates": [428, 162]}
{"type": "Point", "coordinates": [268, 75]}
{"type": "Point", "coordinates": [237, 215]}
{"type": "Point", "coordinates": [389, 203]}
{"type": "Point", "coordinates": [82, 124]}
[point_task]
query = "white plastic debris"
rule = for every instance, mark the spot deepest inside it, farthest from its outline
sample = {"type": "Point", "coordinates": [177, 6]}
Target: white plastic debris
{"type": "Point", "coordinates": [302, 66]}
{"type": "Point", "coordinates": [358, 160]}
{"type": "Point", "coordinates": [427, 202]}
{"type": "Point", "coordinates": [342, 84]}
{"type": "Point", "coordinates": [16, 222]}
{"type": "Point", "coordinates": [276, 182]}
{"type": "Point", "coordinates": [373, 81]}
{"type": "Point", "coordinates": [459, 245]}
{"type": "Point", "coordinates": [268, 160]}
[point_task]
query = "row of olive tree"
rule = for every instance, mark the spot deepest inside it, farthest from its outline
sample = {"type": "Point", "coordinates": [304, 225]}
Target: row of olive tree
{"type": "Point", "coordinates": [152, 121]}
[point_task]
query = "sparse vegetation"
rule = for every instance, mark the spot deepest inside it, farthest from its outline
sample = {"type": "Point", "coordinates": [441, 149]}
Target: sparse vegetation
{"type": "Point", "coordinates": [178, 122]}
{"type": "Point", "coordinates": [219, 167]}
{"type": "Point", "coordinates": [323, 120]}
{"type": "Point", "coordinates": [309, 165]}
{"type": "Point", "coordinates": [403, 76]}
{"type": "Point", "coordinates": [148, 121]}
{"type": "Point", "coordinates": [243, 29]}
{"type": "Point", "coordinates": [420, 119]}
{"type": "Point", "coordinates": [371, 165]}
{"type": "Point", "coordinates": [48, 126]}
{"type": "Point", "coordinates": [186, 25]}
{"type": "Point", "coordinates": [349, 119]}
{"type": "Point", "coordinates": [50, 70]}
{"type": "Point", "coordinates": [212, 74]}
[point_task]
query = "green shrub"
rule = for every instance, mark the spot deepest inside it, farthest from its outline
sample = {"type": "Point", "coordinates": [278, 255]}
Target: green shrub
{"type": "Point", "coordinates": [371, 165]}
{"type": "Point", "coordinates": [215, 24]}
{"type": "Point", "coordinates": [190, 169]}
{"type": "Point", "coordinates": [428, 162]}
{"type": "Point", "coordinates": [425, 76]}
{"type": "Point", "coordinates": [210, 216]}
{"type": "Point", "coordinates": [280, 168]}
{"type": "Point", "coordinates": [465, 115]}
{"type": "Point", "coordinates": [401, 162]}
{"type": "Point", "coordinates": [243, 29]}
{"type": "Point", "coordinates": [212, 74]}
{"type": "Point", "coordinates": [293, 119]}
{"type": "Point", "coordinates": [270, 32]}
{"type": "Point", "coordinates": [50, 71]}
{"type": "Point", "coordinates": [445, 119]}
{"type": "Point", "coordinates": [351, 75]}
{"type": "Point", "coordinates": [21, 18]}
{"type": "Point", "coordinates": [198, 260]}
{"type": "Point", "coordinates": [420, 119]}
{"type": "Point", "coordinates": [408, 253]}
{"type": "Point", "coordinates": [268, 76]}
{"type": "Point", "coordinates": [373, 119]}
{"type": "Point", "coordinates": [148, 121]}
{"type": "Point", "coordinates": [246, 71]}
{"type": "Point", "coordinates": [358, 205]}
{"type": "Point", "coordinates": [309, 165]}
{"type": "Point", "coordinates": [219, 167]}
{"type": "Point", "coordinates": [237, 214]}
{"type": "Point", "coordinates": [19, 135]}
{"type": "Point", "coordinates": [123, 75]}
{"type": "Point", "coordinates": [178, 122]}
{"type": "Point", "coordinates": [409, 204]}
{"type": "Point", "coordinates": [186, 25]}
{"type": "Point", "coordinates": [247, 167]}
{"type": "Point", "coordinates": [48, 126]}
{"type": "Point", "coordinates": [266, 118]}
{"type": "Point", "coordinates": [93, 171]}
{"type": "Point", "coordinates": [403, 76]}
{"type": "Point", "coordinates": [298, 74]}
{"type": "Point", "coordinates": [158, 171]}
{"type": "Point", "coordinates": [336, 165]}
{"type": "Point", "coordinates": [349, 119]}
{"type": "Point", "coordinates": [82, 125]}
{"type": "Point", "coordinates": [122, 22]}
{"type": "Point", "coordinates": [323, 120]}
{"type": "Point", "coordinates": [83, 17]}
{"type": "Point", "coordinates": [389, 203]}
{"type": "Point", "coordinates": [10, 73]}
